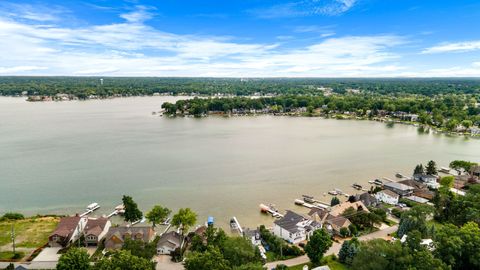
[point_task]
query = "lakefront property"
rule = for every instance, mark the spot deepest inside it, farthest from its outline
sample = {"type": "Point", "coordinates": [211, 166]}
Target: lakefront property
{"type": "Point", "coordinates": [388, 213]}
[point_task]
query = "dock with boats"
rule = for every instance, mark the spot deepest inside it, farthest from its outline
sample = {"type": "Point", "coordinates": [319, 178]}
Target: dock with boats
{"type": "Point", "coordinates": [90, 209]}
{"type": "Point", "coordinates": [270, 209]}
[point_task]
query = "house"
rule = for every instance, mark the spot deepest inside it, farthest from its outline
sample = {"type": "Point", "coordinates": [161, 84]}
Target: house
{"type": "Point", "coordinates": [168, 242]}
{"type": "Point", "coordinates": [416, 199]}
{"type": "Point", "coordinates": [419, 189]}
{"type": "Point", "coordinates": [400, 189]}
{"type": "Point", "coordinates": [429, 180]}
{"type": "Point", "coordinates": [253, 236]}
{"type": "Point", "coordinates": [416, 185]}
{"type": "Point", "coordinates": [338, 209]}
{"type": "Point", "coordinates": [325, 267]}
{"type": "Point", "coordinates": [367, 199]}
{"type": "Point", "coordinates": [333, 224]}
{"type": "Point", "coordinates": [68, 230]}
{"type": "Point", "coordinates": [116, 236]}
{"type": "Point", "coordinates": [387, 196]}
{"type": "Point", "coordinates": [294, 228]}
{"type": "Point", "coordinates": [95, 230]}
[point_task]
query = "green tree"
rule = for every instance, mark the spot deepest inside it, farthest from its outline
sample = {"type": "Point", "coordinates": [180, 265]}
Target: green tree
{"type": "Point", "coordinates": [211, 259]}
{"type": "Point", "coordinates": [132, 213]}
{"type": "Point", "coordinates": [158, 214]}
{"type": "Point", "coordinates": [379, 254]}
{"type": "Point", "coordinates": [139, 248]}
{"type": "Point", "coordinates": [184, 219]}
{"type": "Point", "coordinates": [123, 260]}
{"type": "Point", "coordinates": [239, 251]}
{"type": "Point", "coordinates": [419, 169]}
{"type": "Point", "coordinates": [318, 244]}
{"type": "Point", "coordinates": [467, 123]}
{"type": "Point", "coordinates": [74, 258]}
{"type": "Point", "coordinates": [348, 251]}
{"type": "Point", "coordinates": [414, 219]}
{"type": "Point", "coordinates": [462, 164]}
{"type": "Point", "coordinates": [344, 232]}
{"type": "Point", "coordinates": [334, 201]}
{"type": "Point", "coordinates": [432, 168]}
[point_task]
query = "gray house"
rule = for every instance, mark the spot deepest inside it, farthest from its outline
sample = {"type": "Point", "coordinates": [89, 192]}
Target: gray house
{"type": "Point", "coordinates": [169, 242]}
{"type": "Point", "coordinates": [400, 189]}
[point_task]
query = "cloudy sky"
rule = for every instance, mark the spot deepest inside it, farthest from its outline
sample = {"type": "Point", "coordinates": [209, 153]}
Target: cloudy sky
{"type": "Point", "coordinates": [244, 38]}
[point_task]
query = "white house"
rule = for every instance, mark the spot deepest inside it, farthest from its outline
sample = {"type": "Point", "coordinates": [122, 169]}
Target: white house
{"type": "Point", "coordinates": [169, 242]}
{"type": "Point", "coordinates": [387, 196]}
{"type": "Point", "coordinates": [293, 227]}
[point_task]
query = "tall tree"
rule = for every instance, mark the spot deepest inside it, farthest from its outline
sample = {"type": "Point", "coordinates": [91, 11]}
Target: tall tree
{"type": "Point", "coordinates": [419, 169]}
{"type": "Point", "coordinates": [158, 214]}
{"type": "Point", "coordinates": [74, 258]}
{"type": "Point", "coordinates": [348, 251]}
{"type": "Point", "coordinates": [334, 201]}
{"type": "Point", "coordinates": [318, 244]}
{"type": "Point", "coordinates": [432, 168]}
{"type": "Point", "coordinates": [184, 219]}
{"type": "Point", "coordinates": [132, 213]}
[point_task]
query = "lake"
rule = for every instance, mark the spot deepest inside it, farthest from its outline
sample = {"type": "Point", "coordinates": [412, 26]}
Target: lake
{"type": "Point", "coordinates": [58, 157]}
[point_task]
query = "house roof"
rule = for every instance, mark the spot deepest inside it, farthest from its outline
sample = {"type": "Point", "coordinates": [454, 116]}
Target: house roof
{"type": "Point", "coordinates": [338, 222]}
{"type": "Point", "coordinates": [171, 240]}
{"type": "Point", "coordinates": [414, 184]}
{"type": "Point", "coordinates": [367, 199]}
{"type": "Point", "coordinates": [416, 199]}
{"type": "Point", "coordinates": [390, 193]}
{"type": "Point", "coordinates": [146, 233]}
{"type": "Point", "coordinates": [95, 226]}
{"type": "Point", "coordinates": [398, 186]}
{"type": "Point", "coordinates": [66, 226]}
{"type": "Point", "coordinates": [289, 221]}
{"type": "Point", "coordinates": [340, 208]}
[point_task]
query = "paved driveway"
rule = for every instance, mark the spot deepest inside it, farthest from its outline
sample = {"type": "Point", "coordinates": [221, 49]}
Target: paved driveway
{"type": "Point", "coordinates": [164, 262]}
{"type": "Point", "coordinates": [48, 254]}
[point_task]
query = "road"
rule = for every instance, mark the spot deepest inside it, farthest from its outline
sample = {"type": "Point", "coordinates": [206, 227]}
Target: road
{"type": "Point", "coordinates": [335, 248]}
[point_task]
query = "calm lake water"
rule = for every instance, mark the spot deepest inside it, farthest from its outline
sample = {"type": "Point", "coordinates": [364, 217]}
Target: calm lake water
{"type": "Point", "coordinates": [58, 157]}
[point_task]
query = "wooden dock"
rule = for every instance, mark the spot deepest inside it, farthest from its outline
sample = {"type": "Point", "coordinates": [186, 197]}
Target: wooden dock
{"type": "Point", "coordinates": [239, 227]}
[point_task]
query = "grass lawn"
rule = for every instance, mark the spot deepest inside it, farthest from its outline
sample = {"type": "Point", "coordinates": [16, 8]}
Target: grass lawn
{"type": "Point", "coordinates": [8, 255]}
{"type": "Point", "coordinates": [390, 222]}
{"type": "Point", "coordinates": [271, 257]}
{"type": "Point", "coordinates": [30, 232]}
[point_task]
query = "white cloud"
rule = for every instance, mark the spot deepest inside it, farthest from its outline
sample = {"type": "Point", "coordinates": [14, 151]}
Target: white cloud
{"type": "Point", "coordinates": [140, 14]}
{"type": "Point", "coordinates": [19, 69]}
{"type": "Point", "coordinates": [305, 8]}
{"type": "Point", "coordinates": [133, 48]}
{"type": "Point", "coordinates": [465, 46]}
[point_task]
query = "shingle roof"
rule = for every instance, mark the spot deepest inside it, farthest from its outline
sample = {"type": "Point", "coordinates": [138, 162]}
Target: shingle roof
{"type": "Point", "coordinates": [289, 221]}
{"type": "Point", "coordinates": [146, 233]}
{"type": "Point", "coordinates": [66, 226]}
{"type": "Point", "coordinates": [340, 208]}
{"type": "Point", "coordinates": [171, 239]}
{"type": "Point", "coordinates": [390, 193]}
{"type": "Point", "coordinates": [398, 186]}
{"type": "Point", "coordinates": [95, 226]}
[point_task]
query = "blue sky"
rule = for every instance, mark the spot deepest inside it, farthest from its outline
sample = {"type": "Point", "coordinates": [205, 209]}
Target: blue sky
{"type": "Point", "coordinates": [248, 38]}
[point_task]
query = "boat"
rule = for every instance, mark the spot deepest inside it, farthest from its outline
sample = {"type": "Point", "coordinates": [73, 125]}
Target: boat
{"type": "Point", "coordinates": [378, 182]}
{"type": "Point", "coordinates": [308, 199]}
{"type": "Point", "coordinates": [299, 202]}
{"type": "Point", "coordinates": [399, 175]}
{"type": "Point", "coordinates": [120, 209]}
{"type": "Point", "coordinates": [444, 170]}
{"type": "Point", "coordinates": [333, 192]}
{"type": "Point", "coordinates": [233, 224]}
{"type": "Point", "coordinates": [371, 182]}
{"type": "Point", "coordinates": [93, 206]}
{"type": "Point", "coordinates": [339, 191]}
{"type": "Point", "coordinates": [357, 186]}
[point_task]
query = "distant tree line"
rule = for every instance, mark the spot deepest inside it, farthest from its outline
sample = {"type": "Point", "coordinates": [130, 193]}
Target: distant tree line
{"type": "Point", "coordinates": [83, 87]}
{"type": "Point", "coordinates": [446, 111]}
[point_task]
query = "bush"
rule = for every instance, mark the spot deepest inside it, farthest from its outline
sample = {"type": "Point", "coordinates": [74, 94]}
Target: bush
{"type": "Point", "coordinates": [12, 216]}
{"type": "Point", "coordinates": [397, 212]}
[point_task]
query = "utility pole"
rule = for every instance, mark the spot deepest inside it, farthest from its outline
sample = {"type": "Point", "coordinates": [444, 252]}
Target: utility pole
{"type": "Point", "coordinates": [13, 238]}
